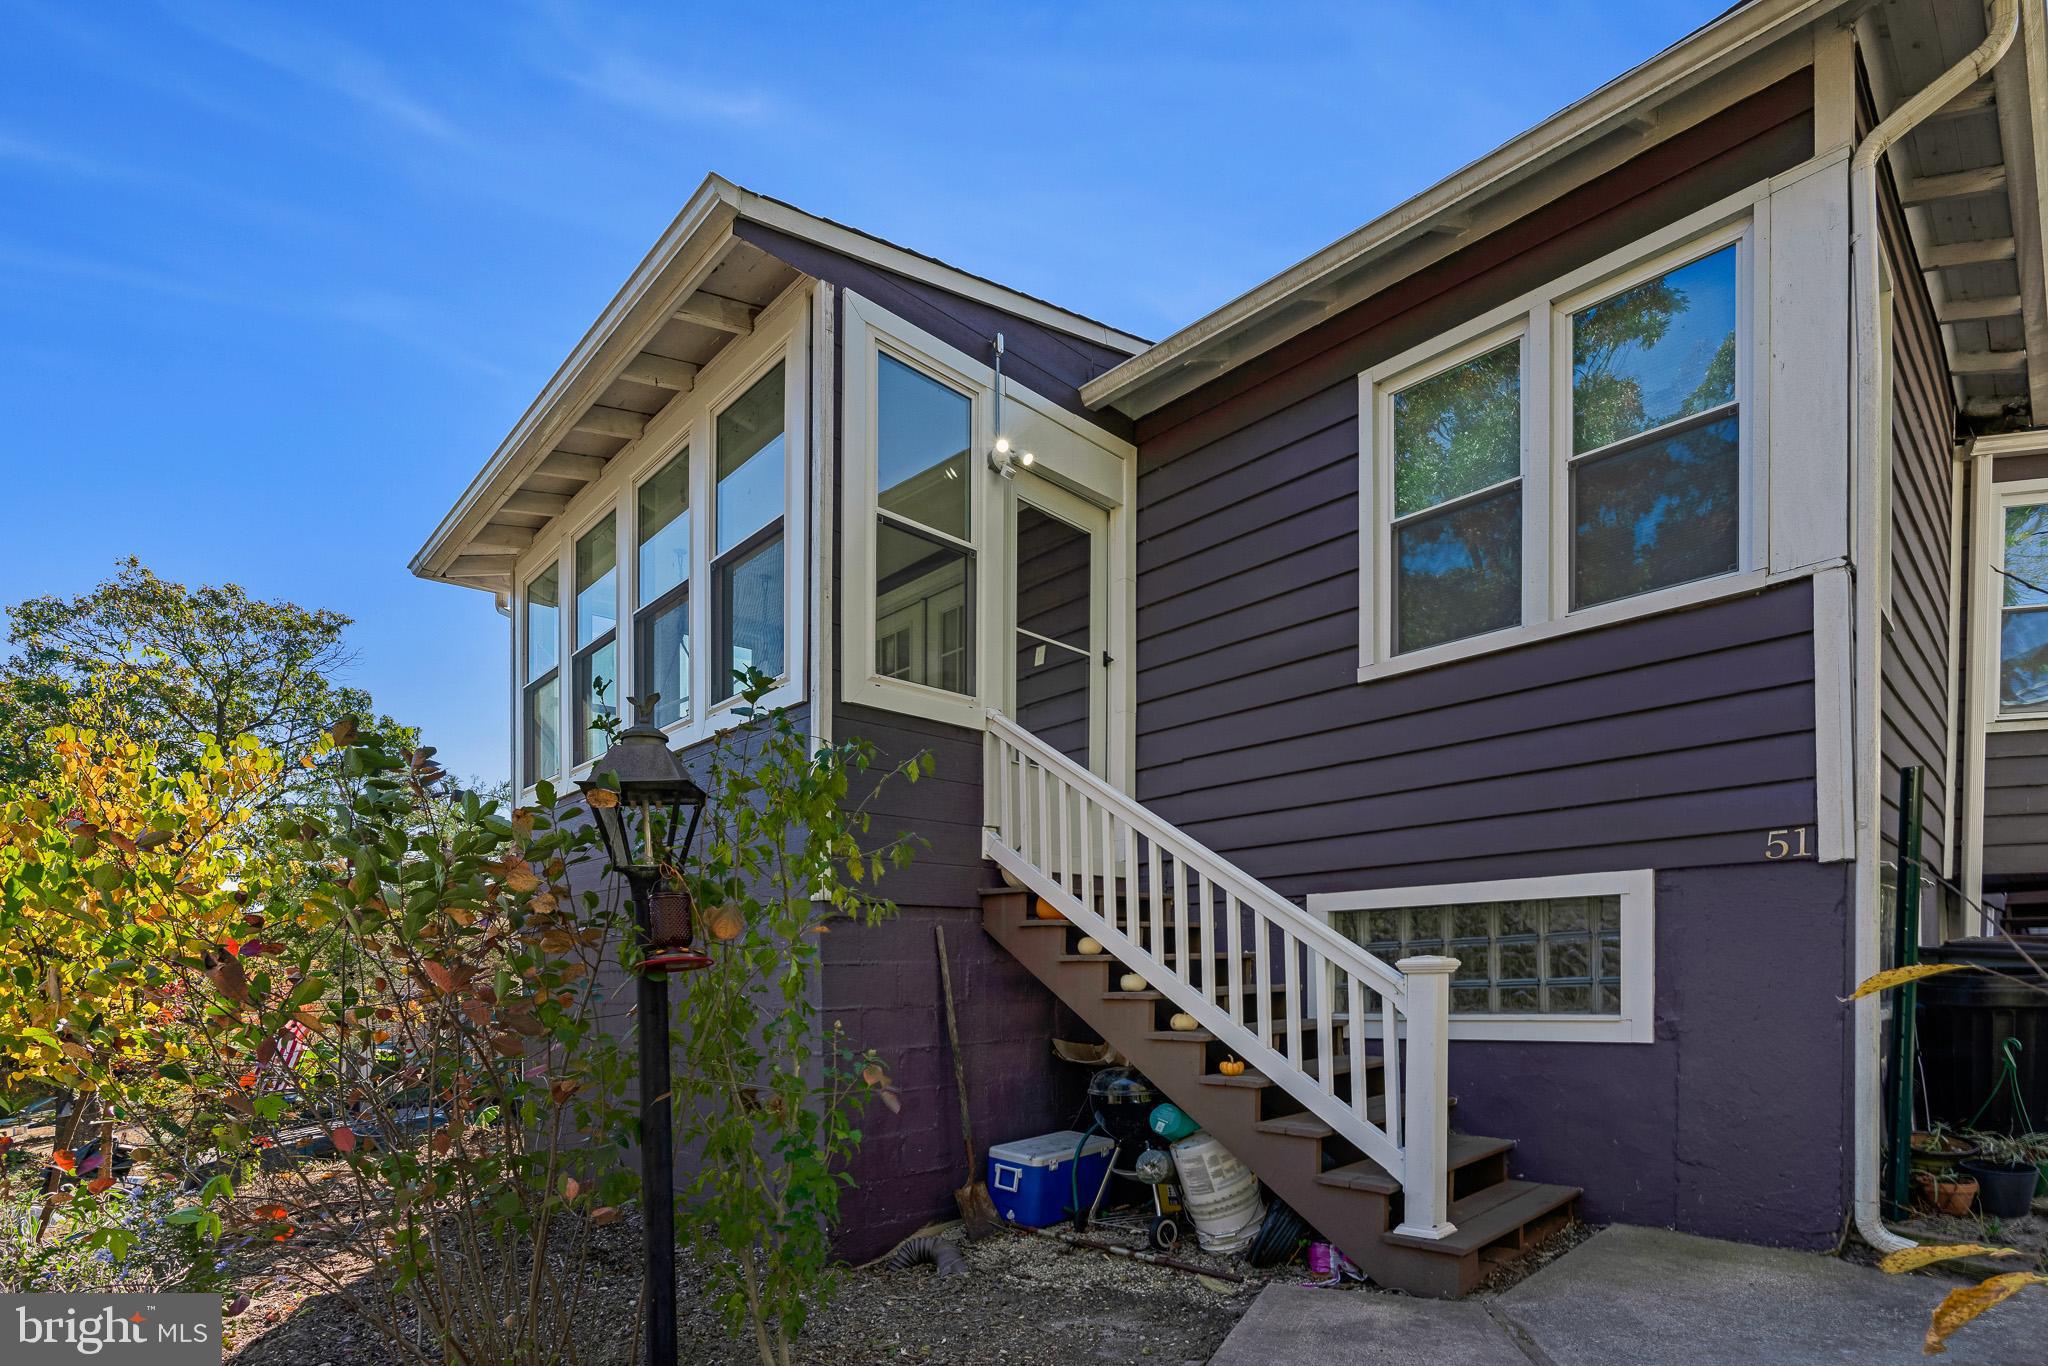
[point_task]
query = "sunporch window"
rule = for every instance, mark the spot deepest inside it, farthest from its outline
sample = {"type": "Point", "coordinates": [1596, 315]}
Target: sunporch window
{"type": "Point", "coordinates": [661, 622]}
{"type": "Point", "coordinates": [542, 680]}
{"type": "Point", "coordinates": [597, 636]}
{"type": "Point", "coordinates": [924, 552]}
{"type": "Point", "coordinates": [747, 567]}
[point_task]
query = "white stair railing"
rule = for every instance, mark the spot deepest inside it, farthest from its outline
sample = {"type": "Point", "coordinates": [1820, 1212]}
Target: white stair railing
{"type": "Point", "coordinates": [1260, 974]}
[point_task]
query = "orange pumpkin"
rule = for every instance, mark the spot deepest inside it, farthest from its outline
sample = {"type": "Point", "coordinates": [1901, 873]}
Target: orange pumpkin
{"type": "Point", "coordinates": [1046, 911]}
{"type": "Point", "coordinates": [1231, 1067]}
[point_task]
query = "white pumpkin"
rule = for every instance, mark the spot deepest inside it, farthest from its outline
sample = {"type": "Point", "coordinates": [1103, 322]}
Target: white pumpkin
{"type": "Point", "coordinates": [1088, 946]}
{"type": "Point", "coordinates": [1184, 1023]}
{"type": "Point", "coordinates": [1131, 981]}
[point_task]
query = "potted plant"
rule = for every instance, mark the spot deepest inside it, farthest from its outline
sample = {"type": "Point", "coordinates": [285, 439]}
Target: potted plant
{"type": "Point", "coordinates": [2007, 1170]}
{"type": "Point", "coordinates": [1955, 1195]}
{"type": "Point", "coordinates": [1936, 1150]}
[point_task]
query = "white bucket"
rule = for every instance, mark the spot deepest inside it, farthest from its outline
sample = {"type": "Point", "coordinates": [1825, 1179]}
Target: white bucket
{"type": "Point", "coordinates": [1222, 1194]}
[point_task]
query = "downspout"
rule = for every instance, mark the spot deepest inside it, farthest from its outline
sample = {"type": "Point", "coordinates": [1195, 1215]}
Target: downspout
{"type": "Point", "coordinates": [1866, 244]}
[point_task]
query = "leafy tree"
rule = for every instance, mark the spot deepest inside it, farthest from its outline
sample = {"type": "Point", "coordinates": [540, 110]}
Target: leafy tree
{"type": "Point", "coordinates": [175, 669]}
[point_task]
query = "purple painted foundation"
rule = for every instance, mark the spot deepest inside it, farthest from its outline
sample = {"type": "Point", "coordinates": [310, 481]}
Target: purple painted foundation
{"type": "Point", "coordinates": [1734, 1122]}
{"type": "Point", "coordinates": [883, 985]}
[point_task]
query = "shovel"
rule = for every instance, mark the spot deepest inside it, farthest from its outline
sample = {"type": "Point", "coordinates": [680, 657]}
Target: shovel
{"type": "Point", "coordinates": [977, 1211]}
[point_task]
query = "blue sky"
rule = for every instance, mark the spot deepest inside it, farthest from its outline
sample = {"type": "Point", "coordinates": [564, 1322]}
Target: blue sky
{"type": "Point", "coordinates": [275, 279]}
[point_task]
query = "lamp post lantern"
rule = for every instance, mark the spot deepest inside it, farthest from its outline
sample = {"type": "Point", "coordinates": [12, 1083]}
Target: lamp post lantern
{"type": "Point", "coordinates": [639, 802]}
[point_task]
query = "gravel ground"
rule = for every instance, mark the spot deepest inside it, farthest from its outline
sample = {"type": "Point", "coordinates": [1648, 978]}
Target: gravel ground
{"type": "Point", "coordinates": [1024, 1302]}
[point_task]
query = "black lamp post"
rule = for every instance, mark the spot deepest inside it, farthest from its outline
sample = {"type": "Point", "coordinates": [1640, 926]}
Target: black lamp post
{"type": "Point", "coordinates": [638, 802]}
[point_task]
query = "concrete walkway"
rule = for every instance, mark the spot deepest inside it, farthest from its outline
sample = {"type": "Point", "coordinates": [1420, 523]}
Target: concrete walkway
{"type": "Point", "coordinates": [1642, 1297]}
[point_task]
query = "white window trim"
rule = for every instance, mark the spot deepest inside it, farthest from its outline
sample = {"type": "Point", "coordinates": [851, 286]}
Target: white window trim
{"type": "Point", "coordinates": [1542, 318]}
{"type": "Point", "coordinates": [871, 330]}
{"type": "Point", "coordinates": [1993, 500]}
{"type": "Point", "coordinates": [1981, 677]}
{"type": "Point", "coordinates": [1073, 454]}
{"type": "Point", "coordinates": [781, 333]}
{"type": "Point", "coordinates": [1638, 892]}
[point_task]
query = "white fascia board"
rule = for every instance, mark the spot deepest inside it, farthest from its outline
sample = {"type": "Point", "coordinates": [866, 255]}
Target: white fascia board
{"type": "Point", "coordinates": [669, 271]}
{"type": "Point", "coordinates": [635, 313]}
{"type": "Point", "coordinates": [888, 256]}
{"type": "Point", "coordinates": [1713, 48]}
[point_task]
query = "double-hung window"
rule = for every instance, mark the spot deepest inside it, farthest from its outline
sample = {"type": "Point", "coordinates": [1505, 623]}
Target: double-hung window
{"type": "Point", "coordinates": [1457, 501]}
{"type": "Point", "coordinates": [1556, 460]}
{"type": "Point", "coordinates": [1656, 465]}
{"type": "Point", "coordinates": [747, 570]}
{"type": "Point", "coordinates": [661, 620]}
{"type": "Point", "coordinates": [2023, 608]}
{"type": "Point", "coordinates": [924, 552]}
{"type": "Point", "coordinates": [541, 689]}
{"type": "Point", "coordinates": [596, 665]}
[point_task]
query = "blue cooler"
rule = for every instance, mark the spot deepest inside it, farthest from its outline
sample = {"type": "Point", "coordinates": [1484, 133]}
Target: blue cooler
{"type": "Point", "coordinates": [1032, 1180]}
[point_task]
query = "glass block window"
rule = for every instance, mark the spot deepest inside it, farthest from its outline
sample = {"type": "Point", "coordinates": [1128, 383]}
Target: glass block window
{"type": "Point", "coordinates": [1553, 957]}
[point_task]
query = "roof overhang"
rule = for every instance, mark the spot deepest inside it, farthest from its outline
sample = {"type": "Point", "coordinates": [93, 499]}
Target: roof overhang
{"type": "Point", "coordinates": [1970, 182]}
{"type": "Point", "coordinates": [1351, 268]}
{"type": "Point", "coordinates": [698, 288]}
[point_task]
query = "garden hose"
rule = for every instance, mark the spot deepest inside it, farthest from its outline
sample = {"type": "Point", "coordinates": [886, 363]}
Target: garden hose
{"type": "Point", "coordinates": [1074, 1172]}
{"type": "Point", "coordinates": [1280, 1235]}
{"type": "Point", "coordinates": [2008, 1078]}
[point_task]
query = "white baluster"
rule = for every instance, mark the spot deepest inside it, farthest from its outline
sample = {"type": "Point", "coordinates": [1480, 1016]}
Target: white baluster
{"type": "Point", "coordinates": [1296, 986]}
{"type": "Point", "coordinates": [1354, 1029]}
{"type": "Point", "coordinates": [1325, 1004]}
{"type": "Point", "coordinates": [1390, 1065]}
{"type": "Point", "coordinates": [1233, 918]}
{"type": "Point", "coordinates": [1262, 964]}
{"type": "Point", "coordinates": [1425, 1156]}
{"type": "Point", "coordinates": [1155, 893]}
{"type": "Point", "coordinates": [1182, 962]}
{"type": "Point", "coordinates": [1208, 954]}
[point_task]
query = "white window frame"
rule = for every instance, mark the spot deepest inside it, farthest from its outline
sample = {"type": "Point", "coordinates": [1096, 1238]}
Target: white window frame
{"type": "Point", "coordinates": [870, 332]}
{"type": "Point", "coordinates": [1542, 318]}
{"type": "Point", "coordinates": [1984, 586]}
{"type": "Point", "coordinates": [1072, 454]}
{"type": "Point", "coordinates": [782, 333]}
{"type": "Point", "coordinates": [1637, 889]}
{"type": "Point", "coordinates": [1990, 535]}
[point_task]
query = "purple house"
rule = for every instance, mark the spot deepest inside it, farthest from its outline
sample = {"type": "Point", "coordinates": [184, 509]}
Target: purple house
{"type": "Point", "coordinates": [1467, 673]}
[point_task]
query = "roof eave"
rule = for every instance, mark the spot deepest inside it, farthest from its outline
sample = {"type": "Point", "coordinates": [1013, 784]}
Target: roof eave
{"type": "Point", "coordinates": [635, 312]}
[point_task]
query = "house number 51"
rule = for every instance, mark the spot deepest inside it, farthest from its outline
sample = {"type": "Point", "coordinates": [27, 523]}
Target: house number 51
{"type": "Point", "coordinates": [1787, 844]}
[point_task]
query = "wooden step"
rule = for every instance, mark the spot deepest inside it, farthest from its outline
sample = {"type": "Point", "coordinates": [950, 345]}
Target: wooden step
{"type": "Point", "coordinates": [1355, 1203]}
{"type": "Point", "coordinates": [1253, 1080]}
{"type": "Point", "coordinates": [1486, 1217]}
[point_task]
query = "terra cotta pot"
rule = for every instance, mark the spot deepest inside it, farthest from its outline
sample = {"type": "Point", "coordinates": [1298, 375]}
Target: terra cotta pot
{"type": "Point", "coordinates": [1956, 1197]}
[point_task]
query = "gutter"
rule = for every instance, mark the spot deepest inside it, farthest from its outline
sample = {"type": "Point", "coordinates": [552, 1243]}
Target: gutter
{"type": "Point", "coordinates": [1865, 413]}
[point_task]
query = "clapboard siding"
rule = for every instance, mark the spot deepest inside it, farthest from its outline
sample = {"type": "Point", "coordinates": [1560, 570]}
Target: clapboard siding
{"type": "Point", "coordinates": [1915, 670]}
{"type": "Point", "coordinates": [2016, 806]}
{"type": "Point", "coordinates": [1670, 741]}
{"type": "Point", "coordinates": [1051, 364]}
{"type": "Point", "coordinates": [942, 811]}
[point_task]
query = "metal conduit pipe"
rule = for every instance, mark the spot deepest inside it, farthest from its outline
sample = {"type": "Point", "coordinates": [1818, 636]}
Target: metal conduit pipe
{"type": "Point", "coordinates": [1867, 366]}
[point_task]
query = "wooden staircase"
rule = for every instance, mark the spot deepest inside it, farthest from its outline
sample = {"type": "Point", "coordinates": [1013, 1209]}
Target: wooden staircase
{"type": "Point", "coordinates": [1351, 1136]}
{"type": "Point", "coordinates": [1348, 1198]}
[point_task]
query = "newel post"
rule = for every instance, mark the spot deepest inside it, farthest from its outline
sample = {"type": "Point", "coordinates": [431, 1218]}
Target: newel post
{"type": "Point", "coordinates": [1425, 1152]}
